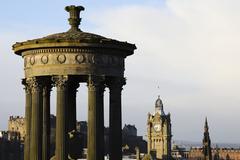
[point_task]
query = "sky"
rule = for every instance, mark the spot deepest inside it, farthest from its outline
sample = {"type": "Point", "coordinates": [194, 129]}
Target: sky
{"type": "Point", "coordinates": [187, 52]}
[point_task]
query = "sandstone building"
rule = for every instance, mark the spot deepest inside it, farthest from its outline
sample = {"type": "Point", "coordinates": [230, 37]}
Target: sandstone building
{"type": "Point", "coordinates": [16, 131]}
{"type": "Point", "coordinates": [16, 125]}
{"type": "Point", "coordinates": [217, 154]}
{"type": "Point", "coordinates": [179, 153]}
{"type": "Point", "coordinates": [159, 132]}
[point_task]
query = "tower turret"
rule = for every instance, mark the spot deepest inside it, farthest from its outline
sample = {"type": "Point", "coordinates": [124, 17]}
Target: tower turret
{"type": "Point", "coordinates": [159, 106]}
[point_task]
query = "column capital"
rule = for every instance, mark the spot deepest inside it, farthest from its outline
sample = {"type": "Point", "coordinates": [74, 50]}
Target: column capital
{"type": "Point", "coordinates": [116, 82]}
{"type": "Point", "coordinates": [27, 86]}
{"type": "Point", "coordinates": [96, 81]}
{"type": "Point", "coordinates": [60, 81]}
{"type": "Point", "coordinates": [47, 86]}
{"type": "Point", "coordinates": [46, 90]}
{"type": "Point", "coordinates": [34, 84]}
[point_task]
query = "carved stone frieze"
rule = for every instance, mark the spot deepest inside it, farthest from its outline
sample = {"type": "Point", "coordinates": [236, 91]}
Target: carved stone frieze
{"type": "Point", "coordinates": [105, 59]}
{"type": "Point", "coordinates": [61, 58]}
{"type": "Point", "coordinates": [73, 63]}
{"type": "Point", "coordinates": [32, 60]}
{"type": "Point", "coordinates": [73, 50]}
{"type": "Point", "coordinates": [44, 59]}
{"type": "Point", "coordinates": [25, 62]}
{"type": "Point", "coordinates": [80, 58]}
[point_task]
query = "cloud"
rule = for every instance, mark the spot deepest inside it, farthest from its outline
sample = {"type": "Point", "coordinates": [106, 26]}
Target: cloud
{"type": "Point", "coordinates": [191, 49]}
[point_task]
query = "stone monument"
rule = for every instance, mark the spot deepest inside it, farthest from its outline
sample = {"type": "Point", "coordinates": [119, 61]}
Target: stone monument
{"type": "Point", "coordinates": [64, 60]}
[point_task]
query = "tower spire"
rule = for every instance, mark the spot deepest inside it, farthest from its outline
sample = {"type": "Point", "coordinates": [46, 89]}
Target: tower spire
{"type": "Point", "coordinates": [207, 150]}
{"type": "Point", "coordinates": [206, 125]}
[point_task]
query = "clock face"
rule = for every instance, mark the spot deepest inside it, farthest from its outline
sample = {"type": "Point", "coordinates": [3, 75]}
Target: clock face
{"type": "Point", "coordinates": [157, 127]}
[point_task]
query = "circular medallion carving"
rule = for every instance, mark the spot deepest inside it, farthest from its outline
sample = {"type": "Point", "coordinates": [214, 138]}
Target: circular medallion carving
{"type": "Point", "coordinates": [44, 59]}
{"type": "Point", "coordinates": [115, 60]}
{"type": "Point", "coordinates": [61, 58]}
{"type": "Point", "coordinates": [25, 62]}
{"type": "Point", "coordinates": [96, 59]}
{"type": "Point", "coordinates": [80, 58]}
{"type": "Point", "coordinates": [105, 59]}
{"type": "Point", "coordinates": [32, 60]}
{"type": "Point", "coordinates": [110, 60]}
{"type": "Point", "coordinates": [89, 58]}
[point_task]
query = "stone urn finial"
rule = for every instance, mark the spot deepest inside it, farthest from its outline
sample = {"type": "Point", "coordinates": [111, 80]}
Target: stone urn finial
{"type": "Point", "coordinates": [74, 19]}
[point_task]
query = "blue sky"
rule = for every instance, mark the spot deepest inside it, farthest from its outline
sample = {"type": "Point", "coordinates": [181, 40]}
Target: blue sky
{"type": "Point", "coordinates": [189, 48]}
{"type": "Point", "coordinates": [44, 12]}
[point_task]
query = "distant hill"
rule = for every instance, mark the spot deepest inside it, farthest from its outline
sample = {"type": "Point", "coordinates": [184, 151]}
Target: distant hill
{"type": "Point", "coordinates": [189, 144]}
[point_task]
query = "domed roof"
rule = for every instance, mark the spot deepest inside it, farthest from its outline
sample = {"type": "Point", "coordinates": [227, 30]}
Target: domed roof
{"type": "Point", "coordinates": [73, 37]}
{"type": "Point", "coordinates": [158, 102]}
{"type": "Point", "coordinates": [159, 106]}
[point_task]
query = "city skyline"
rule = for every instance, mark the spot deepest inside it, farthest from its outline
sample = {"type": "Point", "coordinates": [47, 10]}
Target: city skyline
{"type": "Point", "coordinates": [189, 49]}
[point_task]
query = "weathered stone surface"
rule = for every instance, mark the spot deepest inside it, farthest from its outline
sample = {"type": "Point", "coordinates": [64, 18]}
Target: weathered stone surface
{"type": "Point", "coordinates": [72, 62]}
{"type": "Point", "coordinates": [70, 58]}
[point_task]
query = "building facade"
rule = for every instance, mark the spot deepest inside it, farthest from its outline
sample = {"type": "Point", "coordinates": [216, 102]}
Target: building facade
{"type": "Point", "coordinates": [129, 130]}
{"type": "Point", "coordinates": [131, 140]}
{"type": "Point", "coordinates": [217, 154]}
{"type": "Point", "coordinates": [16, 125]}
{"type": "Point", "coordinates": [179, 153]}
{"type": "Point", "coordinates": [159, 132]}
{"type": "Point", "coordinates": [206, 152]}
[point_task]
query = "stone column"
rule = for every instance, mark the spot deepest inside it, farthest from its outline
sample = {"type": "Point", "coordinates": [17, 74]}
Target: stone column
{"type": "Point", "coordinates": [36, 120]}
{"type": "Point", "coordinates": [95, 119]}
{"type": "Point", "coordinates": [46, 119]}
{"type": "Point", "coordinates": [100, 121]}
{"type": "Point", "coordinates": [149, 143]}
{"type": "Point", "coordinates": [28, 111]}
{"type": "Point", "coordinates": [73, 85]}
{"type": "Point", "coordinates": [115, 126]}
{"type": "Point", "coordinates": [74, 141]}
{"type": "Point", "coordinates": [152, 142]}
{"type": "Point", "coordinates": [61, 83]}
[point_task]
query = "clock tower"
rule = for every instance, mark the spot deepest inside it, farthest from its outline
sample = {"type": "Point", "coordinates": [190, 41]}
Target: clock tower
{"type": "Point", "coordinates": [159, 132]}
